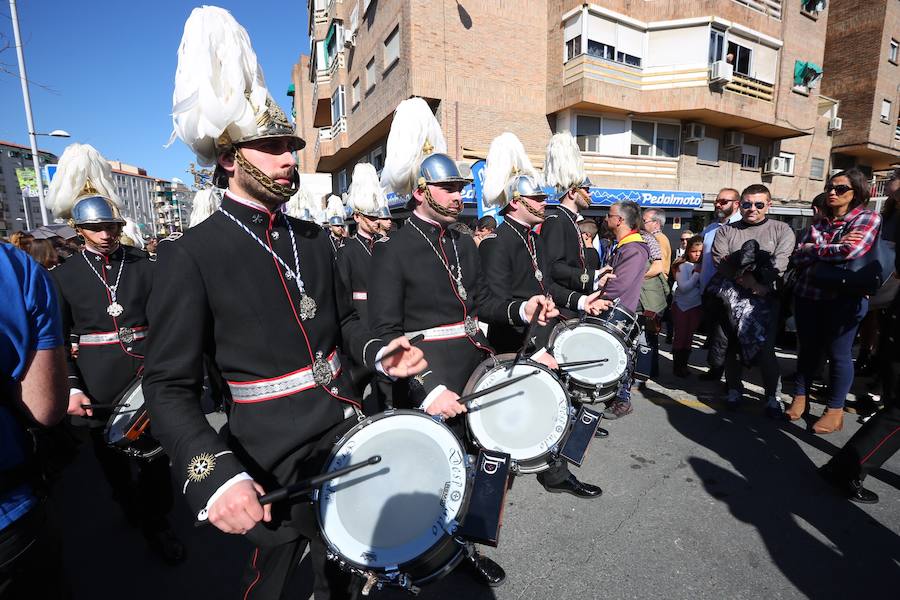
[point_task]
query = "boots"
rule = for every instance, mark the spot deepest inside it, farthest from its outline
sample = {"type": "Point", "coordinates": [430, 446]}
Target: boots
{"type": "Point", "coordinates": [797, 408]}
{"type": "Point", "coordinates": [831, 420]}
{"type": "Point", "coordinates": [680, 363]}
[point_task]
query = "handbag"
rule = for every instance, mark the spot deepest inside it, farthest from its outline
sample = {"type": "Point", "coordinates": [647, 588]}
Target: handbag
{"type": "Point", "coordinates": [861, 276]}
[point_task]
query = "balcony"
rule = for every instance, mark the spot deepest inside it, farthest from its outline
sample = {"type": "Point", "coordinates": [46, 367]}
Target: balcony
{"type": "Point", "coordinates": [324, 85]}
{"type": "Point", "coordinates": [770, 8]}
{"type": "Point", "coordinates": [330, 139]}
{"type": "Point", "coordinates": [606, 166]}
{"type": "Point", "coordinates": [754, 88]}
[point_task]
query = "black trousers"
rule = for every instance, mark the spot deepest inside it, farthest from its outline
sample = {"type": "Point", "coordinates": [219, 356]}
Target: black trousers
{"type": "Point", "coordinates": [31, 560]}
{"type": "Point", "coordinates": [147, 498]}
{"type": "Point", "coordinates": [271, 572]}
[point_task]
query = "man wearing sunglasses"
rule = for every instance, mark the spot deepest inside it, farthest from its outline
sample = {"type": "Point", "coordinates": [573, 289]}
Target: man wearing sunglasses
{"type": "Point", "coordinates": [776, 239]}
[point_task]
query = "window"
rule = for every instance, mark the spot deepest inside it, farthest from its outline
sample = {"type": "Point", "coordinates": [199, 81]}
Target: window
{"type": "Point", "coordinates": [787, 158]}
{"type": "Point", "coordinates": [641, 138]}
{"type": "Point", "coordinates": [355, 93]}
{"type": "Point", "coordinates": [667, 140]}
{"type": "Point", "coordinates": [392, 48]}
{"type": "Point", "coordinates": [817, 168]}
{"type": "Point", "coordinates": [894, 50]}
{"type": "Point", "coordinates": [740, 57]}
{"type": "Point", "coordinates": [377, 158]}
{"type": "Point", "coordinates": [337, 105]}
{"type": "Point", "coordinates": [716, 45]}
{"type": "Point", "coordinates": [749, 157]}
{"type": "Point", "coordinates": [370, 74]}
{"type": "Point", "coordinates": [885, 111]}
{"type": "Point", "coordinates": [331, 44]}
{"type": "Point", "coordinates": [573, 48]}
{"type": "Point", "coordinates": [600, 50]}
{"type": "Point", "coordinates": [654, 139]}
{"type": "Point", "coordinates": [342, 181]}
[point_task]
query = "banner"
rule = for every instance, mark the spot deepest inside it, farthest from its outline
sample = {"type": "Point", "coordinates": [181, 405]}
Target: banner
{"type": "Point", "coordinates": [644, 198]}
{"type": "Point", "coordinates": [27, 182]}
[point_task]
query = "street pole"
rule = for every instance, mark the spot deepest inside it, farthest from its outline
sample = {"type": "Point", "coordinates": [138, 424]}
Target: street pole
{"type": "Point", "coordinates": [27, 98]}
{"type": "Point", "coordinates": [27, 211]}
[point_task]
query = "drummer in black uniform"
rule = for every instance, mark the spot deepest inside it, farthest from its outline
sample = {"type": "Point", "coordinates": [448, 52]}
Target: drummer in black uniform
{"type": "Point", "coordinates": [514, 261]}
{"type": "Point", "coordinates": [354, 263]}
{"type": "Point", "coordinates": [334, 212]}
{"type": "Point", "coordinates": [103, 293]}
{"type": "Point", "coordinates": [255, 289]}
{"type": "Point", "coordinates": [430, 280]}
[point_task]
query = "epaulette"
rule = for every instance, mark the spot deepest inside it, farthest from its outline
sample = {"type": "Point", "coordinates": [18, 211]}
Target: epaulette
{"type": "Point", "coordinates": [172, 236]}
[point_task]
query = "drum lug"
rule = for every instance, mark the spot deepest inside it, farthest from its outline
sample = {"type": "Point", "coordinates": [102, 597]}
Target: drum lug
{"type": "Point", "coordinates": [371, 581]}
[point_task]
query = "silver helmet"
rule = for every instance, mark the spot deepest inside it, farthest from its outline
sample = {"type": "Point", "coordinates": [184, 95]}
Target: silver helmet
{"type": "Point", "coordinates": [89, 210]}
{"type": "Point", "coordinates": [439, 168]}
{"type": "Point", "coordinates": [524, 185]}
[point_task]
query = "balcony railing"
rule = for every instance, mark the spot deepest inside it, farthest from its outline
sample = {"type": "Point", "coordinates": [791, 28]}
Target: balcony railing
{"type": "Point", "coordinates": [630, 166]}
{"type": "Point", "coordinates": [748, 86]}
{"type": "Point", "coordinates": [329, 133]}
{"type": "Point", "coordinates": [771, 8]}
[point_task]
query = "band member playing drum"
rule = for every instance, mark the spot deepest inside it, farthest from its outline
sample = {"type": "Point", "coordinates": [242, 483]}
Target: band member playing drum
{"type": "Point", "coordinates": [103, 294]}
{"type": "Point", "coordinates": [514, 262]}
{"type": "Point", "coordinates": [430, 280]}
{"type": "Point", "coordinates": [255, 289]}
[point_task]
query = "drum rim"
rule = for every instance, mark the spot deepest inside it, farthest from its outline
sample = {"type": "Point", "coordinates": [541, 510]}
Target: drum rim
{"type": "Point", "coordinates": [526, 464]}
{"type": "Point", "coordinates": [616, 335]}
{"type": "Point", "coordinates": [121, 444]}
{"type": "Point", "coordinates": [436, 547]}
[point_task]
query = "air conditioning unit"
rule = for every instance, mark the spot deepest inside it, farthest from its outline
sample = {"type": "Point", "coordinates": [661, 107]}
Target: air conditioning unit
{"type": "Point", "coordinates": [695, 132]}
{"type": "Point", "coordinates": [721, 72]}
{"type": "Point", "coordinates": [776, 166]}
{"type": "Point", "coordinates": [350, 40]}
{"type": "Point", "coordinates": [734, 139]}
{"type": "Point", "coordinates": [835, 124]}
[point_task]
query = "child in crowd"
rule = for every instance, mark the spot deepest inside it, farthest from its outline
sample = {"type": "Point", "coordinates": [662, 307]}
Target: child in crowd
{"type": "Point", "coordinates": [686, 304]}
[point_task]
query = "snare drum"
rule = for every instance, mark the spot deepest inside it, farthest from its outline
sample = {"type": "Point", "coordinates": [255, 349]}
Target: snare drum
{"type": "Point", "coordinates": [608, 339]}
{"type": "Point", "coordinates": [528, 420]}
{"type": "Point", "coordinates": [395, 523]}
{"type": "Point", "coordinates": [127, 430]}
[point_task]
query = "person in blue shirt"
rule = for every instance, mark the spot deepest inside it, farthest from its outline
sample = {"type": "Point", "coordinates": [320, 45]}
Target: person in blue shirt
{"type": "Point", "coordinates": [33, 392]}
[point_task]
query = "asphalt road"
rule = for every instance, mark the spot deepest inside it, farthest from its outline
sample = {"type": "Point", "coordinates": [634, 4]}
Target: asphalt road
{"type": "Point", "coordinates": [698, 503]}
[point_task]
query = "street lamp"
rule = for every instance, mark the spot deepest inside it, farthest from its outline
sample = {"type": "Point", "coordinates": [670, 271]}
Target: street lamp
{"type": "Point", "coordinates": [54, 133]}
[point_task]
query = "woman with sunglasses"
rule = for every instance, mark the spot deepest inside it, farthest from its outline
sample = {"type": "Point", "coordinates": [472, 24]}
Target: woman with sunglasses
{"type": "Point", "coordinates": [827, 319]}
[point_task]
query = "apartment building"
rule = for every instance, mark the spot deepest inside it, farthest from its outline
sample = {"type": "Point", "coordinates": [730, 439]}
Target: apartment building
{"type": "Point", "coordinates": [136, 191]}
{"type": "Point", "coordinates": [862, 52]}
{"type": "Point", "coordinates": [669, 101]}
{"type": "Point", "coordinates": [172, 203]}
{"type": "Point", "coordinates": [13, 206]}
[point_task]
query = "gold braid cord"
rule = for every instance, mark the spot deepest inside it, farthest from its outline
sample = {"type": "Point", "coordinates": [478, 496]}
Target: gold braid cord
{"type": "Point", "coordinates": [446, 212]}
{"type": "Point", "coordinates": [527, 204]}
{"type": "Point", "coordinates": [282, 191]}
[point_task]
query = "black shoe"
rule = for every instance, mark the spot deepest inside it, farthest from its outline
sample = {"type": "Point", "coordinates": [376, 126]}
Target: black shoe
{"type": "Point", "coordinates": [851, 488]}
{"type": "Point", "coordinates": [617, 410]}
{"type": "Point", "coordinates": [577, 488]}
{"type": "Point", "coordinates": [712, 375]}
{"type": "Point", "coordinates": [487, 570]}
{"type": "Point", "coordinates": [601, 433]}
{"type": "Point", "coordinates": [165, 544]}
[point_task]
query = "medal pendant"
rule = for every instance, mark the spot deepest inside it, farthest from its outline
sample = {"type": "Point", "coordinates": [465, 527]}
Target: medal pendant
{"type": "Point", "coordinates": [275, 235]}
{"type": "Point", "coordinates": [538, 275]}
{"type": "Point", "coordinates": [585, 278]}
{"type": "Point", "coordinates": [321, 370]}
{"type": "Point", "coordinates": [115, 309]}
{"type": "Point", "coordinates": [307, 308]}
{"type": "Point", "coordinates": [470, 327]}
{"type": "Point", "coordinates": [462, 291]}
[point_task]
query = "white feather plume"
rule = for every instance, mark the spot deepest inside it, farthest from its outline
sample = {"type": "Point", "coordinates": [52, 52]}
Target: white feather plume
{"type": "Point", "coordinates": [506, 158]}
{"type": "Point", "coordinates": [335, 207]}
{"type": "Point", "coordinates": [133, 232]}
{"type": "Point", "coordinates": [563, 165]}
{"type": "Point", "coordinates": [366, 194]}
{"type": "Point", "coordinates": [413, 125]}
{"type": "Point", "coordinates": [206, 202]}
{"type": "Point", "coordinates": [300, 206]}
{"type": "Point", "coordinates": [78, 165]}
{"type": "Point", "coordinates": [219, 85]}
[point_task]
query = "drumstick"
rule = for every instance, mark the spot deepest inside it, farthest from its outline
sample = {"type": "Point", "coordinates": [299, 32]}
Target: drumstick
{"type": "Point", "coordinates": [579, 363]}
{"type": "Point", "coordinates": [103, 406]}
{"type": "Point", "coordinates": [412, 342]}
{"type": "Point", "coordinates": [494, 388]}
{"type": "Point", "coordinates": [531, 325]}
{"type": "Point", "coordinates": [307, 485]}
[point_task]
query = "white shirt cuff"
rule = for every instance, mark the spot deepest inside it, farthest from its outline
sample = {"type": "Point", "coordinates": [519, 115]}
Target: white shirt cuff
{"type": "Point", "coordinates": [73, 391]}
{"type": "Point", "coordinates": [522, 313]}
{"type": "Point", "coordinates": [582, 302]}
{"type": "Point", "coordinates": [432, 395]}
{"type": "Point", "coordinates": [539, 353]}
{"type": "Point", "coordinates": [380, 367]}
{"type": "Point", "coordinates": [204, 514]}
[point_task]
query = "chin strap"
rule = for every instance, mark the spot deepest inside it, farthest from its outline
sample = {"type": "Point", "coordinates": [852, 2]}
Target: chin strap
{"type": "Point", "coordinates": [282, 191]}
{"type": "Point", "coordinates": [531, 209]}
{"type": "Point", "coordinates": [445, 212]}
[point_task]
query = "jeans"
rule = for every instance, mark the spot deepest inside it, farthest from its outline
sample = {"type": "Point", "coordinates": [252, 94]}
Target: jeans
{"type": "Point", "coordinates": [829, 327]}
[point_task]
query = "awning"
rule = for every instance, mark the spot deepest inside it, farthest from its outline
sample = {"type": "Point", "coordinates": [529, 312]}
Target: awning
{"type": "Point", "coordinates": [806, 73]}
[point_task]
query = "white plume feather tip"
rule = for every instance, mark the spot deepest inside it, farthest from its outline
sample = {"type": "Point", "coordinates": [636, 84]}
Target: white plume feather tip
{"type": "Point", "coordinates": [563, 165]}
{"type": "Point", "coordinates": [79, 164]}
{"type": "Point", "coordinates": [506, 158]}
{"type": "Point", "coordinates": [206, 202]}
{"type": "Point", "coordinates": [366, 194]}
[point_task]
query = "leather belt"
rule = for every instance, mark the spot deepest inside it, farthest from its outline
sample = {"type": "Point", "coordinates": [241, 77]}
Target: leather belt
{"type": "Point", "coordinates": [126, 335]}
{"type": "Point", "coordinates": [322, 372]}
{"type": "Point", "coordinates": [467, 328]}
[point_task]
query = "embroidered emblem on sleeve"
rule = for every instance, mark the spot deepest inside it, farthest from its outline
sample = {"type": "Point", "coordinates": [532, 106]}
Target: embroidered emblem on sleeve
{"type": "Point", "coordinates": [201, 466]}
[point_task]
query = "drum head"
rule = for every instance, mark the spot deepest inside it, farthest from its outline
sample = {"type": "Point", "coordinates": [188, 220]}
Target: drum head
{"type": "Point", "coordinates": [126, 411]}
{"type": "Point", "coordinates": [591, 342]}
{"type": "Point", "coordinates": [394, 512]}
{"type": "Point", "coordinates": [525, 419]}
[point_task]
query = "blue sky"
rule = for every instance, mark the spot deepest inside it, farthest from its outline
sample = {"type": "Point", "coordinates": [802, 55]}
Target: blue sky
{"type": "Point", "coordinates": [111, 66]}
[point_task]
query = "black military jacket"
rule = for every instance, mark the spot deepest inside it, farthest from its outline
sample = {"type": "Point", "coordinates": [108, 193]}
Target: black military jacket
{"type": "Point", "coordinates": [218, 291]}
{"type": "Point", "coordinates": [562, 238]}
{"type": "Point", "coordinates": [353, 263]}
{"type": "Point", "coordinates": [510, 274]}
{"type": "Point", "coordinates": [104, 371]}
{"type": "Point", "coordinates": [414, 291]}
